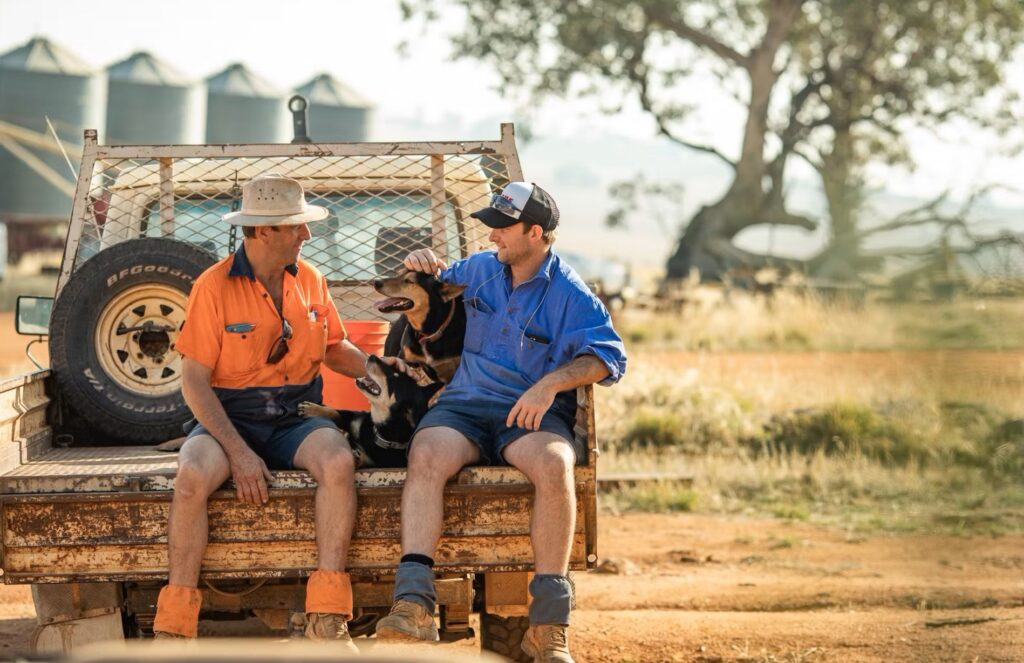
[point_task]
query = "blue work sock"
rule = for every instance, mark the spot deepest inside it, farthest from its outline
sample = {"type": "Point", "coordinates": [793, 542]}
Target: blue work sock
{"type": "Point", "coordinates": [552, 599]}
{"type": "Point", "coordinates": [415, 582]}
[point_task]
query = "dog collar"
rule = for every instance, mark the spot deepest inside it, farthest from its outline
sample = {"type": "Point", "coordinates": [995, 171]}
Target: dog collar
{"type": "Point", "coordinates": [425, 338]}
{"type": "Point", "coordinates": [388, 444]}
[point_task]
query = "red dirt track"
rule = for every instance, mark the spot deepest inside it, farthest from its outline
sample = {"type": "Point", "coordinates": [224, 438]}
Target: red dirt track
{"type": "Point", "coordinates": [706, 588]}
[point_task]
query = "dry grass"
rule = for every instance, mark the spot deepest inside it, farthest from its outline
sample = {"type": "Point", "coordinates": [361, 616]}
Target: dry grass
{"type": "Point", "coordinates": [805, 322]}
{"type": "Point", "coordinates": [905, 439]}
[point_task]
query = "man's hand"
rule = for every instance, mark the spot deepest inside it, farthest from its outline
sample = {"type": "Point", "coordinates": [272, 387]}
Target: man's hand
{"type": "Point", "coordinates": [424, 260]}
{"type": "Point", "coordinates": [250, 475]}
{"type": "Point", "coordinates": [531, 407]}
{"type": "Point", "coordinates": [415, 372]}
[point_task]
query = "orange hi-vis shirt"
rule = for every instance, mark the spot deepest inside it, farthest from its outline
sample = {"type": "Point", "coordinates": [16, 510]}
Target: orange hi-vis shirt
{"type": "Point", "coordinates": [231, 325]}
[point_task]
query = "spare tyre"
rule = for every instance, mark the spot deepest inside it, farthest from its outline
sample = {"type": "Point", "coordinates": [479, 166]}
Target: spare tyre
{"type": "Point", "coordinates": [112, 336]}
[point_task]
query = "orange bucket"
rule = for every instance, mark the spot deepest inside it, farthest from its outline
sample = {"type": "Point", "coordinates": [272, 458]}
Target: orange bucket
{"type": "Point", "coordinates": [340, 391]}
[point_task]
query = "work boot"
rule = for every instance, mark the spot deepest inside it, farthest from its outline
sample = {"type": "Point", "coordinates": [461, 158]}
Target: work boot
{"type": "Point", "coordinates": [408, 621]}
{"type": "Point", "coordinates": [330, 627]}
{"type": "Point", "coordinates": [547, 643]}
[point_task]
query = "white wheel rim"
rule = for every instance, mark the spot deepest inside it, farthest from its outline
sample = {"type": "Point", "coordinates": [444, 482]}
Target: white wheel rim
{"type": "Point", "coordinates": [142, 361]}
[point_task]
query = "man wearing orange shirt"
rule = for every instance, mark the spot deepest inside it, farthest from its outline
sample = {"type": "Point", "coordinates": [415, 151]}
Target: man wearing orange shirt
{"type": "Point", "coordinates": [257, 328]}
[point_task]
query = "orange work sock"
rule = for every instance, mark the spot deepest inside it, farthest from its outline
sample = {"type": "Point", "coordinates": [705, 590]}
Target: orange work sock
{"type": "Point", "coordinates": [177, 610]}
{"type": "Point", "coordinates": [329, 591]}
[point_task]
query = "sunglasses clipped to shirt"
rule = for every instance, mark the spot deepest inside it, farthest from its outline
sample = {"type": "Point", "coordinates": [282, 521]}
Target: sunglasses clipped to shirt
{"type": "Point", "coordinates": [280, 347]}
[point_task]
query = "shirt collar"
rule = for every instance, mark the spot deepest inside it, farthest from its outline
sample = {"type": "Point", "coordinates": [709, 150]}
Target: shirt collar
{"type": "Point", "coordinates": [543, 273]}
{"type": "Point", "coordinates": [240, 265]}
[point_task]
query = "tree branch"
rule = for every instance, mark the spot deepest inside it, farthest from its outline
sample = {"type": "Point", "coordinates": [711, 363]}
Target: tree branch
{"type": "Point", "coordinates": [780, 217]}
{"type": "Point", "coordinates": [928, 214]}
{"type": "Point", "coordinates": [678, 26]}
{"type": "Point", "coordinates": [640, 75]}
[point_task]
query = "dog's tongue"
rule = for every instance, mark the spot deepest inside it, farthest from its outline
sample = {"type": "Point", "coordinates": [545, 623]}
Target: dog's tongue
{"type": "Point", "coordinates": [389, 303]}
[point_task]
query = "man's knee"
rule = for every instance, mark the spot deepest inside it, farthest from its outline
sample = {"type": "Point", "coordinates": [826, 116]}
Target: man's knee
{"type": "Point", "coordinates": [554, 466]}
{"type": "Point", "coordinates": [338, 464]}
{"type": "Point", "coordinates": [195, 480]}
{"type": "Point", "coordinates": [202, 468]}
{"type": "Point", "coordinates": [423, 456]}
{"type": "Point", "coordinates": [436, 455]}
{"type": "Point", "coordinates": [326, 455]}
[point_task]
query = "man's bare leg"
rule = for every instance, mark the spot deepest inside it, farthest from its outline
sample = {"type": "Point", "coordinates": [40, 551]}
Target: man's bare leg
{"type": "Point", "coordinates": [547, 461]}
{"type": "Point", "coordinates": [436, 454]}
{"type": "Point", "coordinates": [202, 468]}
{"type": "Point", "coordinates": [326, 455]}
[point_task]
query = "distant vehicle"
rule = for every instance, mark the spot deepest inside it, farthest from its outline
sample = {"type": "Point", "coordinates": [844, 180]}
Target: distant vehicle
{"type": "Point", "coordinates": [611, 277]}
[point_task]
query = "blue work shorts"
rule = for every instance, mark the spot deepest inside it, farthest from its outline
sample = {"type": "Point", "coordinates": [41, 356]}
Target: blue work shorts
{"type": "Point", "coordinates": [484, 425]}
{"type": "Point", "coordinates": [275, 444]}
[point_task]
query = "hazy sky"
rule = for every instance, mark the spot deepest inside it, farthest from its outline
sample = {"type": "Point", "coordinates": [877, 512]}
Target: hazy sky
{"type": "Point", "coordinates": [426, 95]}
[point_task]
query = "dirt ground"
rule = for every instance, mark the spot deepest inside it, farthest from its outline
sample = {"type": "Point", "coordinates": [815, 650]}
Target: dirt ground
{"type": "Point", "coordinates": [708, 588]}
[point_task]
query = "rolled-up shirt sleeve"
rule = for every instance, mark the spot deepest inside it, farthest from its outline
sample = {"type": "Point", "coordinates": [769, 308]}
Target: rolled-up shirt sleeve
{"type": "Point", "coordinates": [456, 272]}
{"type": "Point", "coordinates": [590, 332]}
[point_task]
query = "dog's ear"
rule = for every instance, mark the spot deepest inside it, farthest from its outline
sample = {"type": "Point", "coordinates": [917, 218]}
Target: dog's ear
{"type": "Point", "coordinates": [450, 291]}
{"type": "Point", "coordinates": [431, 389]}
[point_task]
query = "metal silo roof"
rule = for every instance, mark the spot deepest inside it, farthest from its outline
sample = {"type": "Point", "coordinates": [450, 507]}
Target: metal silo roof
{"type": "Point", "coordinates": [151, 102]}
{"type": "Point", "coordinates": [38, 80]}
{"type": "Point", "coordinates": [239, 80]}
{"type": "Point", "coordinates": [42, 55]}
{"type": "Point", "coordinates": [327, 90]}
{"type": "Point", "coordinates": [143, 67]}
{"type": "Point", "coordinates": [242, 107]}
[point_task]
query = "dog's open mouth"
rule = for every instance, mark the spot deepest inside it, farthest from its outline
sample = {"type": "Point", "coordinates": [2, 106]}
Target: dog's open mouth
{"type": "Point", "coordinates": [369, 386]}
{"type": "Point", "coordinates": [392, 304]}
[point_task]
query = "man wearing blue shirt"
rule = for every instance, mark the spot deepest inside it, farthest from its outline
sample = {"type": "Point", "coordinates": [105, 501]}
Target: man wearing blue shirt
{"type": "Point", "coordinates": [534, 333]}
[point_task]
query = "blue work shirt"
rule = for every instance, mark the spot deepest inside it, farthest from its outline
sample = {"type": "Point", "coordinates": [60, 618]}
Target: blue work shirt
{"type": "Point", "coordinates": [514, 337]}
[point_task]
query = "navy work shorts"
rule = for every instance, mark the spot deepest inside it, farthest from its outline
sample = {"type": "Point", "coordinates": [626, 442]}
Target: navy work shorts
{"type": "Point", "coordinates": [484, 425]}
{"type": "Point", "coordinates": [278, 443]}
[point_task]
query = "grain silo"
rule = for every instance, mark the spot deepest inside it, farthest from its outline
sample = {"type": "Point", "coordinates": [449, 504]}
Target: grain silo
{"type": "Point", "coordinates": [336, 111]}
{"type": "Point", "coordinates": [37, 80]}
{"type": "Point", "coordinates": [241, 107]}
{"type": "Point", "coordinates": [151, 103]}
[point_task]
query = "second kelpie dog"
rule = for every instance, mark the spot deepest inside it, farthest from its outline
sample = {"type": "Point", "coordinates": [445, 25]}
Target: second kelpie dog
{"type": "Point", "coordinates": [380, 437]}
{"type": "Point", "coordinates": [431, 329]}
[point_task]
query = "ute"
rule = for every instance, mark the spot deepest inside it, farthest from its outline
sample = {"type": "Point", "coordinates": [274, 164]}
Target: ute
{"type": "Point", "coordinates": [85, 486]}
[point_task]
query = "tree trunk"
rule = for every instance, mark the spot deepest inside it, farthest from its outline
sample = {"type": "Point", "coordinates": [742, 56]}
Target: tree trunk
{"type": "Point", "coordinates": [706, 243]}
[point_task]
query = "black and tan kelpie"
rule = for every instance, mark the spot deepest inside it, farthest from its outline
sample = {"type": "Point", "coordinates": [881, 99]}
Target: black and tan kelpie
{"type": "Point", "coordinates": [432, 326]}
{"type": "Point", "coordinates": [380, 437]}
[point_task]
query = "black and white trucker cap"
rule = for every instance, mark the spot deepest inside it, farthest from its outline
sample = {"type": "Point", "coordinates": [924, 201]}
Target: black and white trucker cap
{"type": "Point", "coordinates": [520, 201]}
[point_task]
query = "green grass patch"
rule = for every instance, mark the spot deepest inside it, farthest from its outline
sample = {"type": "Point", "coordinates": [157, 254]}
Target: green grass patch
{"type": "Point", "coordinates": [655, 497]}
{"type": "Point", "coordinates": [654, 429]}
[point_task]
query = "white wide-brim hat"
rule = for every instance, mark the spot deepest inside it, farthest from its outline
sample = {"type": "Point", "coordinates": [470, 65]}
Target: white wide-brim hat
{"type": "Point", "coordinates": [274, 200]}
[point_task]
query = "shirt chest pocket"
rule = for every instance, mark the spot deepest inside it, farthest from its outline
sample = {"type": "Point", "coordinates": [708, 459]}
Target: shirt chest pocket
{"type": "Point", "coordinates": [535, 358]}
{"type": "Point", "coordinates": [479, 319]}
{"type": "Point", "coordinates": [315, 333]}
{"type": "Point", "coordinates": [243, 352]}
